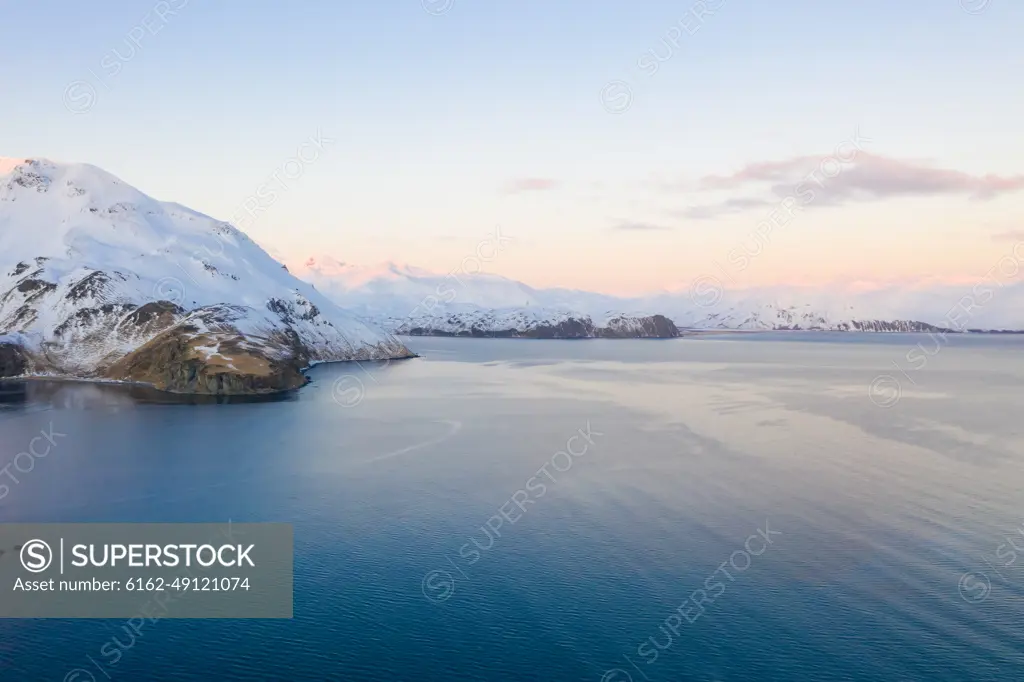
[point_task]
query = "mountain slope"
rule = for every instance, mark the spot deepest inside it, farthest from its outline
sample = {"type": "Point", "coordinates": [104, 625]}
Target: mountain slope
{"type": "Point", "coordinates": [99, 280]}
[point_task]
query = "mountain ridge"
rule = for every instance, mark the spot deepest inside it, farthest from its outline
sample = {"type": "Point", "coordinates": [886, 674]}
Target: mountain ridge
{"type": "Point", "coordinates": [485, 302]}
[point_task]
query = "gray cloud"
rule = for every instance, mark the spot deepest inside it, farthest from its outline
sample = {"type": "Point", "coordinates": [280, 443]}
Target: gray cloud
{"type": "Point", "coordinates": [638, 226]}
{"type": "Point", "coordinates": [734, 205]}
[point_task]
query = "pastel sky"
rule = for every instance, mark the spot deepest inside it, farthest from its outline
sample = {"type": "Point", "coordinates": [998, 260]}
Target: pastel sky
{"type": "Point", "coordinates": [623, 146]}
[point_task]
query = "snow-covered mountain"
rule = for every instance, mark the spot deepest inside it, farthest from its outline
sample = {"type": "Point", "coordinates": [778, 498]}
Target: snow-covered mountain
{"type": "Point", "coordinates": [982, 305]}
{"type": "Point", "coordinates": [536, 323]}
{"type": "Point", "coordinates": [407, 299]}
{"type": "Point", "coordinates": [98, 280]}
{"type": "Point", "coordinates": [412, 301]}
{"type": "Point", "coordinates": [393, 290]}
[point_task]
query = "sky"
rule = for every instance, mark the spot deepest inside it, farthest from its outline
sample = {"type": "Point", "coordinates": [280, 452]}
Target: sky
{"type": "Point", "coordinates": [618, 147]}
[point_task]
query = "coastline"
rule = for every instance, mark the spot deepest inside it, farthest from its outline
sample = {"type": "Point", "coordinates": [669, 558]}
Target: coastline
{"type": "Point", "coordinates": [685, 333]}
{"type": "Point", "coordinates": [127, 383]}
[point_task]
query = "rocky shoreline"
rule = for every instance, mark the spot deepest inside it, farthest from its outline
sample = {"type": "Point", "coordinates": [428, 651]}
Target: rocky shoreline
{"type": "Point", "coordinates": [177, 376]}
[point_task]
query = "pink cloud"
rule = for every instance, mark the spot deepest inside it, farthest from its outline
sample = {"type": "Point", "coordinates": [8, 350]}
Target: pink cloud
{"type": "Point", "coordinates": [1009, 236]}
{"type": "Point", "coordinates": [863, 177]}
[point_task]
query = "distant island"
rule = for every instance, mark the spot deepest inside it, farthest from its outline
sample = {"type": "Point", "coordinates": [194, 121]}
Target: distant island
{"type": "Point", "coordinates": [518, 324]}
{"type": "Point", "coordinates": [506, 324]}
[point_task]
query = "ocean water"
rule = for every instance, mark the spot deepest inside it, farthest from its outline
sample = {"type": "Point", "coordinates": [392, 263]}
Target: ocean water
{"type": "Point", "coordinates": [726, 508]}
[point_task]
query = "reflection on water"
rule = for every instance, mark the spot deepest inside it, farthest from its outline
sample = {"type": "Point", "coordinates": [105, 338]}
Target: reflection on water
{"type": "Point", "coordinates": [82, 395]}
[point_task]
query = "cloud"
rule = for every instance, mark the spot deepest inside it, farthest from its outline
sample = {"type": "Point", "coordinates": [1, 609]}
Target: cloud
{"type": "Point", "coordinates": [828, 181]}
{"type": "Point", "coordinates": [531, 185]}
{"type": "Point", "coordinates": [762, 171]}
{"type": "Point", "coordinates": [734, 205]}
{"type": "Point", "coordinates": [638, 227]}
{"type": "Point", "coordinates": [1009, 236]}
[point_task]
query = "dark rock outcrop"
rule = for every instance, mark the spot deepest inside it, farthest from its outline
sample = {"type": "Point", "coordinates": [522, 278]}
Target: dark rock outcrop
{"type": "Point", "coordinates": [174, 362]}
{"type": "Point", "coordinates": [151, 317]}
{"type": "Point", "coordinates": [650, 327]}
{"type": "Point", "coordinates": [94, 285]}
{"type": "Point", "coordinates": [572, 328]}
{"type": "Point", "coordinates": [895, 326]}
{"type": "Point", "coordinates": [13, 361]}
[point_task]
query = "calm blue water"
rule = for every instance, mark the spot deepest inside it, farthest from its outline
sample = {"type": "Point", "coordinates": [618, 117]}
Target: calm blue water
{"type": "Point", "coordinates": [888, 487]}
